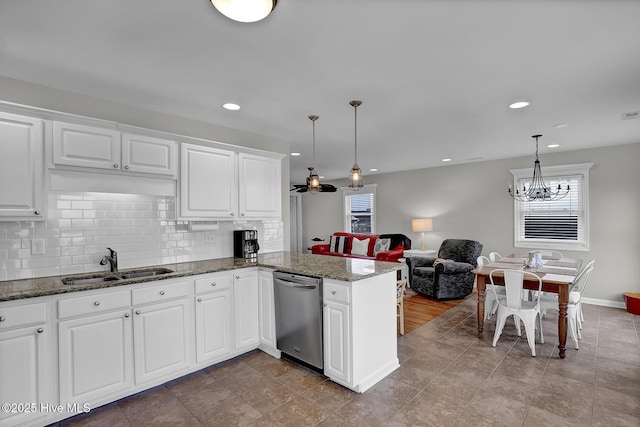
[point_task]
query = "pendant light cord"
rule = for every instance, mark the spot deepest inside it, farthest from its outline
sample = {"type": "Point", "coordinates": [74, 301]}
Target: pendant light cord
{"type": "Point", "coordinates": [355, 132]}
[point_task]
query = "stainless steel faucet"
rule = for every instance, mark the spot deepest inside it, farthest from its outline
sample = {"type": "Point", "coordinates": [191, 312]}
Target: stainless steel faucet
{"type": "Point", "coordinates": [111, 259]}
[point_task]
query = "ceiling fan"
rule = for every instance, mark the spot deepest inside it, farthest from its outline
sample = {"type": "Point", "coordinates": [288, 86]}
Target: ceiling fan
{"type": "Point", "coordinates": [303, 188]}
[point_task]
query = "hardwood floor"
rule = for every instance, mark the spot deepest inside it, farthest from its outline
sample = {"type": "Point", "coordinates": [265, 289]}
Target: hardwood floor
{"type": "Point", "coordinates": [419, 309]}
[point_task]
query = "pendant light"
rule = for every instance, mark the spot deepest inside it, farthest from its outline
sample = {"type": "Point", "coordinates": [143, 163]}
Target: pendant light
{"type": "Point", "coordinates": [245, 10]}
{"type": "Point", "coordinates": [538, 190]}
{"type": "Point", "coordinates": [313, 182]}
{"type": "Point", "coordinates": [355, 175]}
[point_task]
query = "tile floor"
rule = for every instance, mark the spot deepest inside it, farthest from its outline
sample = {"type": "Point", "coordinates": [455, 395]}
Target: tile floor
{"type": "Point", "coordinates": [447, 377]}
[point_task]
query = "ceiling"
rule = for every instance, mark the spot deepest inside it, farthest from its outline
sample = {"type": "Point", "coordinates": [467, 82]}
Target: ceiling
{"type": "Point", "coordinates": [435, 77]}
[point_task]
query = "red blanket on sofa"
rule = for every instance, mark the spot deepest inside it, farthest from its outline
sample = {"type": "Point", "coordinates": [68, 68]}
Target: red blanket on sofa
{"type": "Point", "coordinates": [341, 244]}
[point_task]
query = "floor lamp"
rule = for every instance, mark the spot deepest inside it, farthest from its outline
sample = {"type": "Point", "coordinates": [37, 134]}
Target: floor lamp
{"type": "Point", "coordinates": [420, 225]}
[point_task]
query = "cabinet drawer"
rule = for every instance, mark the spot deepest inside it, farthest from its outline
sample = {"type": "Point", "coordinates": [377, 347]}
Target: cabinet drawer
{"type": "Point", "coordinates": [160, 292]}
{"type": "Point", "coordinates": [213, 283]}
{"type": "Point", "coordinates": [93, 304]}
{"type": "Point", "coordinates": [22, 315]}
{"type": "Point", "coordinates": [336, 292]}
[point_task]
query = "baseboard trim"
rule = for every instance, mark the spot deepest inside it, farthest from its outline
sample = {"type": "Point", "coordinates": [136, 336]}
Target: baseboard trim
{"type": "Point", "coordinates": [604, 302]}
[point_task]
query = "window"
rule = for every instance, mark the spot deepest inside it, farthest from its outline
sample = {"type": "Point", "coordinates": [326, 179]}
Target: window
{"type": "Point", "coordinates": [554, 224]}
{"type": "Point", "coordinates": [359, 209]}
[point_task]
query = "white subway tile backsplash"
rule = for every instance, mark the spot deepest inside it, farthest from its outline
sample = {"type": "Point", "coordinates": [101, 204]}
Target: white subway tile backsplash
{"type": "Point", "coordinates": [143, 230]}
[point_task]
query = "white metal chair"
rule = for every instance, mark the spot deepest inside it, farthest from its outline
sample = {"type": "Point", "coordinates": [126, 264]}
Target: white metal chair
{"type": "Point", "coordinates": [574, 306]}
{"type": "Point", "coordinates": [494, 256]}
{"type": "Point", "coordinates": [514, 305]}
{"type": "Point", "coordinates": [490, 302]}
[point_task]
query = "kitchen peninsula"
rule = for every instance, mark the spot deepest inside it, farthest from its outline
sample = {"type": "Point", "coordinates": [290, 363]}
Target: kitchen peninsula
{"type": "Point", "coordinates": [115, 338]}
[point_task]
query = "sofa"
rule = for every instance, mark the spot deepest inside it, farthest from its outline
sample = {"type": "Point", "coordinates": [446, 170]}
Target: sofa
{"type": "Point", "coordinates": [447, 276]}
{"type": "Point", "coordinates": [379, 247]}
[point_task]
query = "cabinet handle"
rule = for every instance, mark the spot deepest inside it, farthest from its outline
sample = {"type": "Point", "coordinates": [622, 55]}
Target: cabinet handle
{"type": "Point", "coordinates": [37, 212]}
{"type": "Point", "coordinates": [237, 277]}
{"type": "Point", "coordinates": [97, 303]}
{"type": "Point", "coordinates": [40, 330]}
{"type": "Point", "coordinates": [199, 299]}
{"type": "Point", "coordinates": [2, 318]}
{"type": "Point", "coordinates": [127, 315]}
{"type": "Point", "coordinates": [242, 214]}
{"type": "Point", "coordinates": [126, 167]}
{"type": "Point", "coordinates": [137, 311]}
{"type": "Point", "coordinates": [213, 283]}
{"type": "Point", "coordinates": [116, 166]}
{"type": "Point", "coordinates": [333, 292]}
{"type": "Point", "coordinates": [161, 292]}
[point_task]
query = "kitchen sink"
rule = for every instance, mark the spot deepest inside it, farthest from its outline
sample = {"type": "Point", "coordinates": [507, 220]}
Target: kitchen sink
{"type": "Point", "coordinates": [145, 273]}
{"type": "Point", "coordinates": [136, 274]}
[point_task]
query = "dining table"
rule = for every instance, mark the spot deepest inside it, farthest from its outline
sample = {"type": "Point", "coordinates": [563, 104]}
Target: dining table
{"type": "Point", "coordinates": [557, 276]}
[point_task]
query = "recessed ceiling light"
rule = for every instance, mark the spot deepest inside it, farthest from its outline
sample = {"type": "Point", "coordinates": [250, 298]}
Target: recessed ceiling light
{"type": "Point", "coordinates": [321, 177]}
{"type": "Point", "coordinates": [231, 106]}
{"type": "Point", "coordinates": [519, 104]}
{"type": "Point", "coordinates": [553, 145]}
{"type": "Point", "coordinates": [446, 160]}
{"type": "Point", "coordinates": [561, 125]}
{"type": "Point", "coordinates": [294, 154]}
{"type": "Point", "coordinates": [373, 170]}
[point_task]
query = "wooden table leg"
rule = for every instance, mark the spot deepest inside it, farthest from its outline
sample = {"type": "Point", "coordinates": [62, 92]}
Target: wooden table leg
{"type": "Point", "coordinates": [563, 299]}
{"type": "Point", "coordinates": [482, 287]}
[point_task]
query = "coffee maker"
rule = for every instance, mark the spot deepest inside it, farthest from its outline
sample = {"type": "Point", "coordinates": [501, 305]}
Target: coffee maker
{"type": "Point", "coordinates": [245, 244]}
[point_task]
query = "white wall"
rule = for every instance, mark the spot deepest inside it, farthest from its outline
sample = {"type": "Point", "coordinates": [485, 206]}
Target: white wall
{"type": "Point", "coordinates": [471, 201]}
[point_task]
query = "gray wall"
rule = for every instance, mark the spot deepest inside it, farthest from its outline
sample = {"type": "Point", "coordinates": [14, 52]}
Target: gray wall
{"type": "Point", "coordinates": [24, 93]}
{"type": "Point", "coordinates": [470, 201]}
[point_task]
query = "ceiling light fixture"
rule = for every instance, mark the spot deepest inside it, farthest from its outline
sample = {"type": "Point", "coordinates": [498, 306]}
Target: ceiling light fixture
{"type": "Point", "coordinates": [538, 190]}
{"type": "Point", "coordinates": [245, 10]}
{"type": "Point", "coordinates": [519, 104]}
{"type": "Point", "coordinates": [231, 106]}
{"type": "Point", "coordinates": [295, 154]}
{"type": "Point", "coordinates": [313, 182]}
{"type": "Point", "coordinates": [355, 175]}
{"type": "Point", "coordinates": [446, 160]}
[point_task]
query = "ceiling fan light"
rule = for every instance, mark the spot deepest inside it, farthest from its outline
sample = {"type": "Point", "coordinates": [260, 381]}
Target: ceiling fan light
{"type": "Point", "coordinates": [245, 10]}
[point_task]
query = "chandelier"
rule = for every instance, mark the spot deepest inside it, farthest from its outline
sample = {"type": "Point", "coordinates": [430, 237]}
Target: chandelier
{"type": "Point", "coordinates": [538, 190]}
{"type": "Point", "coordinates": [313, 182]}
{"type": "Point", "coordinates": [355, 175]}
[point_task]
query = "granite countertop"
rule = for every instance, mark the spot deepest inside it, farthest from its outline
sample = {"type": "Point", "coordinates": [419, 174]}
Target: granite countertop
{"type": "Point", "coordinates": [338, 268]}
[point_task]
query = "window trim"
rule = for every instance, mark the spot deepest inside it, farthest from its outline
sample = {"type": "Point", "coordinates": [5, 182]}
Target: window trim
{"type": "Point", "coordinates": [553, 171]}
{"type": "Point", "coordinates": [346, 216]}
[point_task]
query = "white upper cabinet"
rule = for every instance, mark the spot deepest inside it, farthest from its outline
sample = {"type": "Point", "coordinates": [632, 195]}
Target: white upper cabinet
{"type": "Point", "coordinates": [222, 184]}
{"type": "Point", "coordinates": [208, 186]}
{"type": "Point", "coordinates": [260, 186]}
{"type": "Point", "coordinates": [103, 148]}
{"type": "Point", "coordinates": [21, 168]}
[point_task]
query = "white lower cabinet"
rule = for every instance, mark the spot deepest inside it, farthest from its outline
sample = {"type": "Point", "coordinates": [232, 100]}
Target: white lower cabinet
{"type": "Point", "coordinates": [160, 340]}
{"type": "Point", "coordinates": [95, 357]}
{"type": "Point", "coordinates": [267, 313]}
{"type": "Point", "coordinates": [245, 310]}
{"type": "Point", "coordinates": [24, 339]}
{"type": "Point", "coordinates": [337, 330]}
{"type": "Point", "coordinates": [214, 327]}
{"type": "Point", "coordinates": [95, 346]}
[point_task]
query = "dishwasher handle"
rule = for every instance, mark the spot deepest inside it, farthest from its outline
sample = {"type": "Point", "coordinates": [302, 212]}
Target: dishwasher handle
{"type": "Point", "coordinates": [294, 284]}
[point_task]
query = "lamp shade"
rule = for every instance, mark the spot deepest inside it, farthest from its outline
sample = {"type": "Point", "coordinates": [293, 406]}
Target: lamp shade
{"type": "Point", "coordinates": [421, 224]}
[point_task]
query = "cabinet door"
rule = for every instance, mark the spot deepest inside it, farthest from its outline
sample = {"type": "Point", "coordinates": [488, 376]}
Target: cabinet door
{"type": "Point", "coordinates": [146, 154]}
{"type": "Point", "coordinates": [160, 340]}
{"type": "Point", "coordinates": [21, 167]}
{"type": "Point", "coordinates": [208, 187]}
{"type": "Point", "coordinates": [213, 326]}
{"type": "Point", "coordinates": [260, 186]}
{"type": "Point", "coordinates": [267, 310]}
{"type": "Point", "coordinates": [86, 146]}
{"type": "Point", "coordinates": [95, 357]}
{"type": "Point", "coordinates": [337, 357]}
{"type": "Point", "coordinates": [245, 310]}
{"type": "Point", "coordinates": [22, 369]}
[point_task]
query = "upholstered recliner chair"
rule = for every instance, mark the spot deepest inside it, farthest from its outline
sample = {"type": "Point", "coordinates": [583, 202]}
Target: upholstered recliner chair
{"type": "Point", "coordinates": [450, 277]}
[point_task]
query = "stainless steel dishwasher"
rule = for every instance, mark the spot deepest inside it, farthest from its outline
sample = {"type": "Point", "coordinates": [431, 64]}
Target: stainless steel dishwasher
{"type": "Point", "coordinates": [298, 302]}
